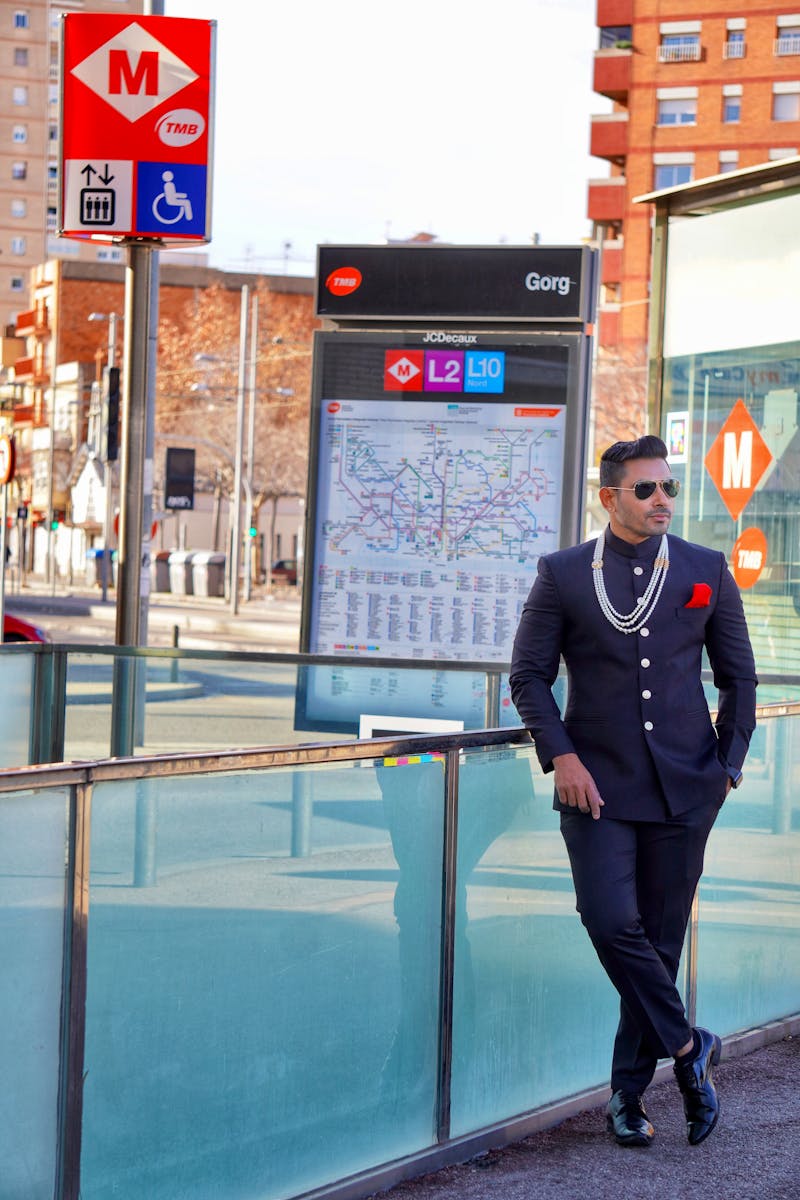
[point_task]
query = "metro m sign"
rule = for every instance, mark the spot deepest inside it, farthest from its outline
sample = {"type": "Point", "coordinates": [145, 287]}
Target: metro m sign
{"type": "Point", "coordinates": [738, 458]}
{"type": "Point", "coordinates": [136, 109]}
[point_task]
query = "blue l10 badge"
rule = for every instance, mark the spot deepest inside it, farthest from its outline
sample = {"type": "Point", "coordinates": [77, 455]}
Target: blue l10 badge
{"type": "Point", "coordinates": [485, 371]}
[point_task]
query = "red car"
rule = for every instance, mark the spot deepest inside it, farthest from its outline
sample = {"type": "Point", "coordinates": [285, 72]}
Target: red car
{"type": "Point", "coordinates": [17, 630]}
{"type": "Point", "coordinates": [285, 571]}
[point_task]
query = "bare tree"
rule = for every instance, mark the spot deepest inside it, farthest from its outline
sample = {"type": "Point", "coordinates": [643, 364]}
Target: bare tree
{"type": "Point", "coordinates": [198, 382]}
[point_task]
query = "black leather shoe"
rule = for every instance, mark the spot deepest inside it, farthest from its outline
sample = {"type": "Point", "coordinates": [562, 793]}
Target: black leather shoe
{"type": "Point", "coordinates": [627, 1120]}
{"type": "Point", "coordinates": [694, 1076]}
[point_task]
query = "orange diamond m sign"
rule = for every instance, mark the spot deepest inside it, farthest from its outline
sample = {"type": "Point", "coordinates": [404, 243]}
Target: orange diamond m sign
{"type": "Point", "coordinates": [737, 459]}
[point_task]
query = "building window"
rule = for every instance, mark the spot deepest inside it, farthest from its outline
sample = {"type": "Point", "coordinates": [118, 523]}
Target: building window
{"type": "Point", "coordinates": [616, 37]}
{"type": "Point", "coordinates": [667, 175]}
{"type": "Point", "coordinates": [731, 107]}
{"type": "Point", "coordinates": [19, 170]}
{"type": "Point", "coordinates": [19, 133]}
{"type": "Point", "coordinates": [21, 19]}
{"type": "Point", "coordinates": [734, 46]}
{"type": "Point", "coordinates": [679, 47]}
{"type": "Point", "coordinates": [20, 56]}
{"type": "Point", "coordinates": [19, 208]}
{"type": "Point", "coordinates": [18, 245]}
{"type": "Point", "coordinates": [786, 101]}
{"type": "Point", "coordinates": [673, 111]}
{"type": "Point", "coordinates": [788, 39]}
{"type": "Point", "coordinates": [778, 152]}
{"type": "Point", "coordinates": [52, 217]}
{"type": "Point", "coordinates": [728, 161]}
{"type": "Point", "coordinates": [52, 133]}
{"type": "Point", "coordinates": [19, 95]}
{"type": "Point", "coordinates": [17, 283]}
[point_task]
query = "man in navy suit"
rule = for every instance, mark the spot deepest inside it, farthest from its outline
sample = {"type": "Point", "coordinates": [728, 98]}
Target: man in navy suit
{"type": "Point", "coordinates": [640, 771]}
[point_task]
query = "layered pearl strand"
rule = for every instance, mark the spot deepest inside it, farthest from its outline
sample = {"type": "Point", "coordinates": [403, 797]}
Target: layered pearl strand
{"type": "Point", "coordinates": [633, 621]}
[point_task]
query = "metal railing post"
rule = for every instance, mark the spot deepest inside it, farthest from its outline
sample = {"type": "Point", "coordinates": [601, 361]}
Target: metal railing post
{"type": "Point", "coordinates": [447, 965]}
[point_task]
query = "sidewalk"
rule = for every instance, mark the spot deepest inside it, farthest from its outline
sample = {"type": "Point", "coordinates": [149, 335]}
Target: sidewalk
{"type": "Point", "coordinates": [753, 1154]}
{"type": "Point", "coordinates": [271, 621]}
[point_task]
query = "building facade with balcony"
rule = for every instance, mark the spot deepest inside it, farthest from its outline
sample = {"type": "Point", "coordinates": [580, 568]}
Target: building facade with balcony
{"type": "Point", "coordinates": [695, 93]}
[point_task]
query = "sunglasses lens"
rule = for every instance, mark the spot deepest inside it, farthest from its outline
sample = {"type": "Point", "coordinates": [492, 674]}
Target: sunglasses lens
{"type": "Point", "coordinates": [644, 489]}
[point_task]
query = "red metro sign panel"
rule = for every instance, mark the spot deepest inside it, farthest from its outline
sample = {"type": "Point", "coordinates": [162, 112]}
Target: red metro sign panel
{"type": "Point", "coordinates": [136, 136]}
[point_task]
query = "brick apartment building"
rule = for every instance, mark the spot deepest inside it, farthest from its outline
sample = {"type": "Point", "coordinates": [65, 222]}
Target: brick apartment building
{"type": "Point", "coordinates": [29, 93]}
{"type": "Point", "coordinates": [695, 92]}
{"type": "Point", "coordinates": [52, 425]}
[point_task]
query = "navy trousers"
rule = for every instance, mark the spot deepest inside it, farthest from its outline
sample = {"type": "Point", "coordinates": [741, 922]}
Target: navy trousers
{"type": "Point", "coordinates": [634, 884]}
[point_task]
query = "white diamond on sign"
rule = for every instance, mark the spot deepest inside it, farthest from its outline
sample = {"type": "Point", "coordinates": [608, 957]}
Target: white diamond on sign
{"type": "Point", "coordinates": [404, 369]}
{"type": "Point", "coordinates": [134, 73]}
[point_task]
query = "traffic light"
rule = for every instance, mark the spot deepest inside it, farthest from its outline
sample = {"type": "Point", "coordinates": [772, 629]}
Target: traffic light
{"type": "Point", "coordinates": [253, 531]}
{"type": "Point", "coordinates": [179, 478]}
{"type": "Point", "coordinates": [111, 407]}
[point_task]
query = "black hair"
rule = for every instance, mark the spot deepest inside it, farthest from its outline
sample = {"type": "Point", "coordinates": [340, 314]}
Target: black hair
{"type": "Point", "coordinates": [612, 462]}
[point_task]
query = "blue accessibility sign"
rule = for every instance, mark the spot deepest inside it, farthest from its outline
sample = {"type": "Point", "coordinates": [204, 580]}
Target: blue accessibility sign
{"type": "Point", "coordinates": [170, 199]}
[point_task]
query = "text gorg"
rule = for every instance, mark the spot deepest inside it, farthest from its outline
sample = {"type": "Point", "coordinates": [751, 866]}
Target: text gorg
{"type": "Point", "coordinates": [535, 282]}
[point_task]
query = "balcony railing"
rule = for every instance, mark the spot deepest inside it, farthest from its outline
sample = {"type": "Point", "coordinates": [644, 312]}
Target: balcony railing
{"type": "Point", "coordinates": [690, 52]}
{"type": "Point", "coordinates": [606, 199]}
{"type": "Point", "coordinates": [733, 50]}
{"type": "Point", "coordinates": [789, 44]}
{"type": "Point", "coordinates": [612, 73]}
{"type": "Point", "coordinates": [609, 136]}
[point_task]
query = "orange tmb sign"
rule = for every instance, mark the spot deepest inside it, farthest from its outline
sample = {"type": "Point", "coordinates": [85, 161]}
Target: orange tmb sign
{"type": "Point", "coordinates": [737, 459]}
{"type": "Point", "coordinates": [749, 556]}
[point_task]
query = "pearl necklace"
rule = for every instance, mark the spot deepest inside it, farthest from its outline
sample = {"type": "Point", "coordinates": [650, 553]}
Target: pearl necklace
{"type": "Point", "coordinates": [633, 621]}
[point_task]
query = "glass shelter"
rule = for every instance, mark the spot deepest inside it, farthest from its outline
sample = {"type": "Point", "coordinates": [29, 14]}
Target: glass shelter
{"type": "Point", "coordinates": [725, 385]}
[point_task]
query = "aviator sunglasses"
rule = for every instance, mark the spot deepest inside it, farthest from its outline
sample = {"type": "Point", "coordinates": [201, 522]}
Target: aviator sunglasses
{"type": "Point", "coordinates": [643, 488]}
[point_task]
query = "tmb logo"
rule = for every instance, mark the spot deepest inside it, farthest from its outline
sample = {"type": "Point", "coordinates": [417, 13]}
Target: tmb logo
{"type": "Point", "coordinates": [343, 281]}
{"type": "Point", "coordinates": [402, 370]}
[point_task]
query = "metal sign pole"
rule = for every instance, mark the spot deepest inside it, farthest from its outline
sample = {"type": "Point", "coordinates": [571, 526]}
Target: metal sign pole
{"type": "Point", "coordinates": [236, 522]}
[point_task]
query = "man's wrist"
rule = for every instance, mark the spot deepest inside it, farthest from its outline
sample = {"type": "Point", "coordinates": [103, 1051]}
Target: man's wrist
{"type": "Point", "coordinates": [735, 776]}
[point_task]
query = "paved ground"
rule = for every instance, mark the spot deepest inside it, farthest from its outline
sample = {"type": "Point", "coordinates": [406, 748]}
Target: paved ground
{"type": "Point", "coordinates": [264, 623]}
{"type": "Point", "coordinates": [754, 1154]}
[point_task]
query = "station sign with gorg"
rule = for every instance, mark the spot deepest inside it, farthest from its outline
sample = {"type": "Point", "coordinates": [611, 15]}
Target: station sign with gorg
{"type": "Point", "coordinates": [136, 126]}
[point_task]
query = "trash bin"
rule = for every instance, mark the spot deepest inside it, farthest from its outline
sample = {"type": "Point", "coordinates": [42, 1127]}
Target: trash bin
{"type": "Point", "coordinates": [94, 567]}
{"type": "Point", "coordinates": [208, 574]}
{"type": "Point", "coordinates": [180, 572]}
{"type": "Point", "coordinates": [161, 567]}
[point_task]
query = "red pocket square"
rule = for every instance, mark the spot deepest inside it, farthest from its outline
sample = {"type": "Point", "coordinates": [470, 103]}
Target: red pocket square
{"type": "Point", "coordinates": [701, 594]}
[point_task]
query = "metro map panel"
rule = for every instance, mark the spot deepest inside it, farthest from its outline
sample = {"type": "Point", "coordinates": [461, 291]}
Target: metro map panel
{"type": "Point", "coordinates": [433, 510]}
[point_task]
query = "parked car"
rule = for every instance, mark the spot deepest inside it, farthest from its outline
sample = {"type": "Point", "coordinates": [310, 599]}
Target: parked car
{"type": "Point", "coordinates": [285, 571]}
{"type": "Point", "coordinates": [17, 630]}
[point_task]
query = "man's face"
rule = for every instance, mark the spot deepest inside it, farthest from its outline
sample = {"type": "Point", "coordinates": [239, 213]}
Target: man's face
{"type": "Point", "coordinates": [634, 520]}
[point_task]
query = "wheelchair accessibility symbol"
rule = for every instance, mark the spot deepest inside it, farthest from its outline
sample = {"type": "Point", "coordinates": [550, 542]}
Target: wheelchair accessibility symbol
{"type": "Point", "coordinates": [171, 200]}
{"type": "Point", "coordinates": [170, 205]}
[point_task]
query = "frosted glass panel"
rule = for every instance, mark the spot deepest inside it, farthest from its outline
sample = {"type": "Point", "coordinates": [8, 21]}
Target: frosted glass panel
{"type": "Point", "coordinates": [523, 1032]}
{"type": "Point", "coordinates": [33, 840]}
{"type": "Point", "coordinates": [749, 939]}
{"type": "Point", "coordinates": [16, 688]}
{"type": "Point", "coordinates": [263, 979]}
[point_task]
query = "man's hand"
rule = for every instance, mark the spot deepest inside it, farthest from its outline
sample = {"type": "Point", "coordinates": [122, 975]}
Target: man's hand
{"type": "Point", "coordinates": [575, 785]}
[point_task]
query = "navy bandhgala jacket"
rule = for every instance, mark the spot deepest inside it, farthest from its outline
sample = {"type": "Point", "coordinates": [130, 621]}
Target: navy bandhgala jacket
{"type": "Point", "coordinates": [636, 713]}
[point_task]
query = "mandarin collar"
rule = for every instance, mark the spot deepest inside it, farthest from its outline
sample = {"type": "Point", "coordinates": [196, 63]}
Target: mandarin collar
{"type": "Point", "coordinates": [646, 549]}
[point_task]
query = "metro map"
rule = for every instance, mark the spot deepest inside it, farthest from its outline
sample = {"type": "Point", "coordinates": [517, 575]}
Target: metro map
{"type": "Point", "coordinates": [431, 521]}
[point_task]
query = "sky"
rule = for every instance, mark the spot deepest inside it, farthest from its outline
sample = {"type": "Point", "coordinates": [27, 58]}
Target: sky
{"type": "Point", "coordinates": [355, 121]}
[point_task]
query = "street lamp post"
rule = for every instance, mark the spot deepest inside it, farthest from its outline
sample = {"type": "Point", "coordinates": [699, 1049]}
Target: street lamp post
{"type": "Point", "coordinates": [108, 470]}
